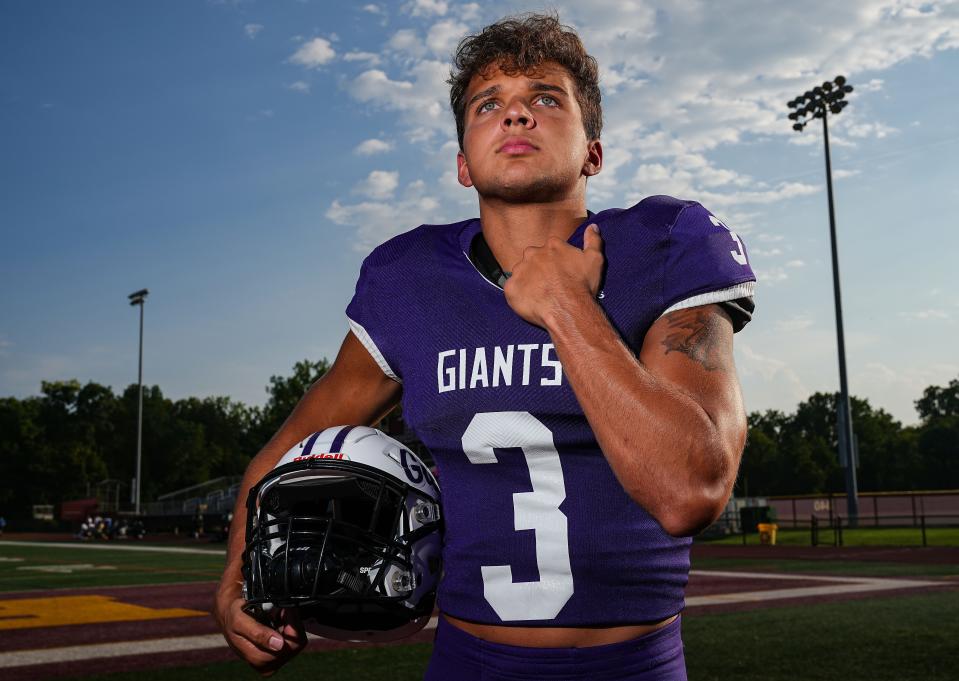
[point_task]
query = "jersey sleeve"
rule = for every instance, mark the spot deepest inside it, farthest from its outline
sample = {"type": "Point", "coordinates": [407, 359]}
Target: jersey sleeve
{"type": "Point", "coordinates": [706, 263]}
{"type": "Point", "coordinates": [366, 320]}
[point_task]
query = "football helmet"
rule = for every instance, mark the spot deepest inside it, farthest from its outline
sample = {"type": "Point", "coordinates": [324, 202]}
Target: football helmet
{"type": "Point", "coordinates": [347, 529]}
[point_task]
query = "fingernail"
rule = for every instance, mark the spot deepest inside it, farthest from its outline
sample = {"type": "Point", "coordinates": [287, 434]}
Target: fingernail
{"type": "Point", "coordinates": [595, 228]}
{"type": "Point", "coordinates": [276, 643]}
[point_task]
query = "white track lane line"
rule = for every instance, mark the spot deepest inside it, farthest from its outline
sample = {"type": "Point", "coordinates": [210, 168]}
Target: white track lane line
{"type": "Point", "coordinates": [114, 547]}
{"type": "Point", "coordinates": [24, 658]}
{"type": "Point", "coordinates": [840, 585]}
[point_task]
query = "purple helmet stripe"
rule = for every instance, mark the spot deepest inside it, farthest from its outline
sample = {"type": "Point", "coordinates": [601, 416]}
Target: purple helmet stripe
{"type": "Point", "coordinates": [340, 437]}
{"type": "Point", "coordinates": [307, 448]}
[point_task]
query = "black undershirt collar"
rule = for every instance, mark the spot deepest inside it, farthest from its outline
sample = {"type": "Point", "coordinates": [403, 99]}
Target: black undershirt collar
{"type": "Point", "coordinates": [485, 262]}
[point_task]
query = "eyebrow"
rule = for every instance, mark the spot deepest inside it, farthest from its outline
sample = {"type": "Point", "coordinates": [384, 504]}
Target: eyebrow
{"type": "Point", "coordinates": [534, 86]}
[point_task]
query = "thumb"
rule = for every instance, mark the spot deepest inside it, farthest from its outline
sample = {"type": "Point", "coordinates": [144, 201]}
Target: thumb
{"type": "Point", "coordinates": [592, 240]}
{"type": "Point", "coordinates": [291, 625]}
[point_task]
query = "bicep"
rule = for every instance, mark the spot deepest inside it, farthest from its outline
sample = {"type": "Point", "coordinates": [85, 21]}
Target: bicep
{"type": "Point", "coordinates": [691, 350]}
{"type": "Point", "coordinates": [354, 391]}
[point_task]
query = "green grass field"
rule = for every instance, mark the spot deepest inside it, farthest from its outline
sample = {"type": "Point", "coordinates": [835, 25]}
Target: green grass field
{"type": "Point", "coordinates": [880, 639]}
{"type": "Point", "coordinates": [23, 568]}
{"type": "Point", "coordinates": [863, 536]}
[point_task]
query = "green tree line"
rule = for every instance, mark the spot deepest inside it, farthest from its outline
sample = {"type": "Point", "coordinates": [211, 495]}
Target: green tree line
{"type": "Point", "coordinates": [797, 453]}
{"type": "Point", "coordinates": [57, 446]}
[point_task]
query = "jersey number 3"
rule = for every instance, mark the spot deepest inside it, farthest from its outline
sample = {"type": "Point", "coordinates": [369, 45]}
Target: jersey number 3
{"type": "Point", "coordinates": [537, 510]}
{"type": "Point", "coordinates": [739, 255]}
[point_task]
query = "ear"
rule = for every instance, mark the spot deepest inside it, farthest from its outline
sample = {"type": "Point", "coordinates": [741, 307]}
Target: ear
{"type": "Point", "coordinates": [594, 158]}
{"type": "Point", "coordinates": [462, 170]}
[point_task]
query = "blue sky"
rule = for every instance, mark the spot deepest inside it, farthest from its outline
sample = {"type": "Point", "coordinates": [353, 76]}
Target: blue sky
{"type": "Point", "coordinates": [239, 159]}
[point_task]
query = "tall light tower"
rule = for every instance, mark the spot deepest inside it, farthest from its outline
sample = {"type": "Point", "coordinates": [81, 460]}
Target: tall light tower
{"type": "Point", "coordinates": [830, 97]}
{"type": "Point", "coordinates": [139, 298]}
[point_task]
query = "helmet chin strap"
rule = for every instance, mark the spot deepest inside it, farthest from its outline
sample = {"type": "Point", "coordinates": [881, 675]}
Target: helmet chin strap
{"type": "Point", "coordinates": [485, 261]}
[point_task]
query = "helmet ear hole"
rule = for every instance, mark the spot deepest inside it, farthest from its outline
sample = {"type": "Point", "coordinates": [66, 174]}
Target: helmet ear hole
{"type": "Point", "coordinates": [272, 501]}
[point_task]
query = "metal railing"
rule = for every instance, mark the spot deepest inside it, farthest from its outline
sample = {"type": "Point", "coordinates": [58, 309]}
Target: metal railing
{"type": "Point", "coordinates": [219, 500]}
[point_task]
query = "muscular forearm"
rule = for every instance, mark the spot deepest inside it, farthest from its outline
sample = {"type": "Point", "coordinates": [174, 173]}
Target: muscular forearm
{"type": "Point", "coordinates": [665, 449]}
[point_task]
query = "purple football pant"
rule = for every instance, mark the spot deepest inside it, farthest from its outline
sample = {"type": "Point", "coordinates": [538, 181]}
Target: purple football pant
{"type": "Point", "coordinates": [459, 656]}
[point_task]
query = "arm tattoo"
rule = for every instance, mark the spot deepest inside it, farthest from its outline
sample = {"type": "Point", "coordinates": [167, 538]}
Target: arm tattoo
{"type": "Point", "coordinates": [693, 334]}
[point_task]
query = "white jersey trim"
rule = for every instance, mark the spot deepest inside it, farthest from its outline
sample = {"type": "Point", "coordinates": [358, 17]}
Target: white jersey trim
{"type": "Point", "coordinates": [743, 290]}
{"type": "Point", "coordinates": [374, 351]}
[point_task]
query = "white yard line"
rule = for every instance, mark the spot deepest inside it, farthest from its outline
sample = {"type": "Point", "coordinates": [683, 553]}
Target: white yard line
{"type": "Point", "coordinates": [24, 658]}
{"type": "Point", "coordinates": [793, 576]}
{"type": "Point", "coordinates": [844, 585]}
{"type": "Point", "coordinates": [115, 547]}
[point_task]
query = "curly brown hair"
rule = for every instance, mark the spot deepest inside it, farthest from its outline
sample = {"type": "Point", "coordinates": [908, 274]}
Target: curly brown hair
{"type": "Point", "coordinates": [519, 44]}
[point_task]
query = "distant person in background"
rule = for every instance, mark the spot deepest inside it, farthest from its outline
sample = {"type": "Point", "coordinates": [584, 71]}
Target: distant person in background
{"type": "Point", "coordinates": [197, 524]}
{"type": "Point", "coordinates": [136, 529]}
{"type": "Point", "coordinates": [3, 524]}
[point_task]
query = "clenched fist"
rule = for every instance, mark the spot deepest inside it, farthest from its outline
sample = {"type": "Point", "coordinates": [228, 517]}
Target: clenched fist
{"type": "Point", "coordinates": [552, 276]}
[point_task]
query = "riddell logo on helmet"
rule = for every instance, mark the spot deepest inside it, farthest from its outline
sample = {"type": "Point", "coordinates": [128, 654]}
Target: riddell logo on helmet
{"type": "Point", "coordinates": [325, 455]}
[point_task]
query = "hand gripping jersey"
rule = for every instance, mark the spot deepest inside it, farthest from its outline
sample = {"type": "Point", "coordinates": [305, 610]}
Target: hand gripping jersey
{"type": "Point", "coordinates": [538, 529]}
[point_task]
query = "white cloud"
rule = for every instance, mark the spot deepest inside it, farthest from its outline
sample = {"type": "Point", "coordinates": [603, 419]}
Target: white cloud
{"type": "Point", "coordinates": [843, 174]}
{"type": "Point", "coordinates": [443, 37]}
{"type": "Point", "coordinates": [901, 385]}
{"type": "Point", "coordinates": [252, 29]}
{"type": "Point", "coordinates": [794, 324]}
{"type": "Point", "coordinates": [314, 53]}
{"type": "Point", "coordinates": [771, 277]}
{"type": "Point", "coordinates": [795, 263]}
{"type": "Point", "coordinates": [300, 86]}
{"type": "Point", "coordinates": [262, 114]}
{"type": "Point", "coordinates": [773, 371]}
{"type": "Point", "coordinates": [931, 313]}
{"type": "Point", "coordinates": [373, 9]}
{"type": "Point", "coordinates": [421, 99]}
{"type": "Point", "coordinates": [426, 7]}
{"type": "Point", "coordinates": [469, 11]}
{"type": "Point", "coordinates": [875, 129]}
{"type": "Point", "coordinates": [373, 146]}
{"type": "Point", "coordinates": [408, 42]}
{"type": "Point", "coordinates": [376, 221]}
{"type": "Point", "coordinates": [379, 184]}
{"type": "Point", "coordinates": [765, 253]}
{"type": "Point", "coordinates": [370, 58]}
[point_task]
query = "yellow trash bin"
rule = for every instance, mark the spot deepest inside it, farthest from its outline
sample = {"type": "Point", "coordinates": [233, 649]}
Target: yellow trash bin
{"type": "Point", "coordinates": [767, 533]}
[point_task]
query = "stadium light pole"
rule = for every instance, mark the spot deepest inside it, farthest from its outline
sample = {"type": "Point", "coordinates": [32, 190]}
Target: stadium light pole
{"type": "Point", "coordinates": [139, 298]}
{"type": "Point", "coordinates": [818, 103]}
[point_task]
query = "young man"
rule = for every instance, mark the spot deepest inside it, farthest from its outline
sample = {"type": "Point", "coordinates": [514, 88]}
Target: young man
{"type": "Point", "coordinates": [571, 373]}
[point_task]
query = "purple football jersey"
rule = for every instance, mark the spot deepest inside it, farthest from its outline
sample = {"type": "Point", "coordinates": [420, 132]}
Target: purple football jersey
{"type": "Point", "coordinates": [538, 529]}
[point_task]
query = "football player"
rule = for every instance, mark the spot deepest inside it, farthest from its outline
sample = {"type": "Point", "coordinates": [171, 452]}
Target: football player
{"type": "Point", "coordinates": [570, 372]}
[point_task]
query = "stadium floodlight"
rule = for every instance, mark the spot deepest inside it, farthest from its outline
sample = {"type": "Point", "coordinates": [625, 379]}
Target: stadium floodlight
{"type": "Point", "coordinates": [139, 298]}
{"type": "Point", "coordinates": [830, 96]}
